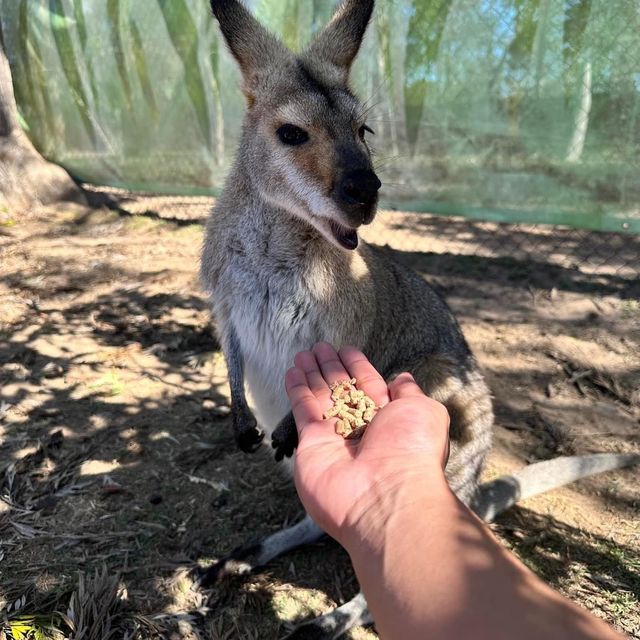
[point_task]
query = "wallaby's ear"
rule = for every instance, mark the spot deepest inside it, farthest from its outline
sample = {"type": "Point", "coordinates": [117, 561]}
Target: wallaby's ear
{"type": "Point", "coordinates": [339, 42]}
{"type": "Point", "coordinates": [250, 43]}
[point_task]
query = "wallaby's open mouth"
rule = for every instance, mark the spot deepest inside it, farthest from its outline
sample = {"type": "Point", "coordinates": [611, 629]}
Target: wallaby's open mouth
{"type": "Point", "coordinates": [346, 237]}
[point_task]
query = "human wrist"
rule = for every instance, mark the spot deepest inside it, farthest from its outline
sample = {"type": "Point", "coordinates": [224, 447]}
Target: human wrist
{"type": "Point", "coordinates": [390, 499]}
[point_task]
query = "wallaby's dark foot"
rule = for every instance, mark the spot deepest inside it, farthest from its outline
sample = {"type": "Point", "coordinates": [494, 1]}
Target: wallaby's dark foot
{"type": "Point", "coordinates": [250, 440]}
{"type": "Point", "coordinates": [258, 553]}
{"type": "Point", "coordinates": [240, 561]}
{"type": "Point", "coordinates": [285, 437]}
{"type": "Point", "coordinates": [247, 433]}
{"type": "Point", "coordinates": [334, 624]}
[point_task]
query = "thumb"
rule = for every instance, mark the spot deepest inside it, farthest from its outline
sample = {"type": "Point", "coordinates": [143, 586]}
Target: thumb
{"type": "Point", "coordinates": [404, 386]}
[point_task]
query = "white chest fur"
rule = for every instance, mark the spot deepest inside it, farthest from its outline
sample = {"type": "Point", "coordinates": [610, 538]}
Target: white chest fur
{"type": "Point", "coordinates": [280, 289]}
{"type": "Point", "coordinates": [274, 316]}
{"type": "Point", "coordinates": [268, 343]}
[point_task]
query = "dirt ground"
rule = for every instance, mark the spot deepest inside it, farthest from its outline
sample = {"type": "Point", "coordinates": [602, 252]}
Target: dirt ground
{"type": "Point", "coordinates": [118, 470]}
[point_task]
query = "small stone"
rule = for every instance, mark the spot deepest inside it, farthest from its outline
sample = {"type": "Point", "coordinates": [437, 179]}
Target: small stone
{"type": "Point", "coordinates": [52, 370]}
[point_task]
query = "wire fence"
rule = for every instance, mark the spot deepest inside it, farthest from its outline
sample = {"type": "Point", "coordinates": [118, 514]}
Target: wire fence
{"type": "Point", "coordinates": [502, 110]}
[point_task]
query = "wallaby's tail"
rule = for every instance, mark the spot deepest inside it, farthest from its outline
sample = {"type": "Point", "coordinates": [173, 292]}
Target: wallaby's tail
{"type": "Point", "coordinates": [492, 498]}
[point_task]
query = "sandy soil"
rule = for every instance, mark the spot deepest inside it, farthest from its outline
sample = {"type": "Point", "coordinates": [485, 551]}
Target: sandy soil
{"type": "Point", "coordinates": [118, 469]}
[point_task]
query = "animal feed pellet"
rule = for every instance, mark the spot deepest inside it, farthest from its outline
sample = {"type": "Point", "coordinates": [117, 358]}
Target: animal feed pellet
{"type": "Point", "coordinates": [353, 408]}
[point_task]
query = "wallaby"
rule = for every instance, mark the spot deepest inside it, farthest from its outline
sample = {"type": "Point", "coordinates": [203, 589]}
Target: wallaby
{"type": "Point", "coordinates": [285, 268]}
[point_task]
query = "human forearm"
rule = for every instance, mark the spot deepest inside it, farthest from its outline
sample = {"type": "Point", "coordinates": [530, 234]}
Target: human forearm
{"type": "Point", "coordinates": [430, 568]}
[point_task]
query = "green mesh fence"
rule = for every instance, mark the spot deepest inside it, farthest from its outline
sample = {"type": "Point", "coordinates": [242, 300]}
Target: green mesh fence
{"type": "Point", "coordinates": [507, 110]}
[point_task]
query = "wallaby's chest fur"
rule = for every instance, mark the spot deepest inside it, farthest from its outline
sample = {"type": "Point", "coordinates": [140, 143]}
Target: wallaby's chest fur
{"type": "Point", "coordinates": [280, 288]}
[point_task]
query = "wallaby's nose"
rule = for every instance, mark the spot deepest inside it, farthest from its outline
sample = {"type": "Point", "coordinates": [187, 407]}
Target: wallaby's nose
{"type": "Point", "coordinates": [360, 187]}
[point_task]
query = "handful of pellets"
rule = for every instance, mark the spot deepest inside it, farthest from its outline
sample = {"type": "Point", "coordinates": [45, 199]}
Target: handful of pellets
{"type": "Point", "coordinates": [354, 409]}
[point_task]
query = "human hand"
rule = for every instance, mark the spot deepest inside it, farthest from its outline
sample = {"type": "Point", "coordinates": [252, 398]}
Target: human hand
{"type": "Point", "coordinates": [347, 486]}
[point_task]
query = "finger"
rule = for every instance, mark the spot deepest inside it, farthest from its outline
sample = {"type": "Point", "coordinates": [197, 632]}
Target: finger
{"type": "Point", "coordinates": [304, 404]}
{"type": "Point", "coordinates": [404, 386]}
{"type": "Point", "coordinates": [312, 429]}
{"type": "Point", "coordinates": [330, 364]}
{"type": "Point", "coordinates": [366, 375]}
{"type": "Point", "coordinates": [306, 361]}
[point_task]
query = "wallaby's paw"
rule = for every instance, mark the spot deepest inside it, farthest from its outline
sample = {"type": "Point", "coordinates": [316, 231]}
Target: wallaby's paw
{"type": "Point", "coordinates": [285, 438]}
{"type": "Point", "coordinates": [283, 451]}
{"type": "Point", "coordinates": [250, 439]}
{"type": "Point", "coordinates": [239, 562]}
{"type": "Point", "coordinates": [248, 435]}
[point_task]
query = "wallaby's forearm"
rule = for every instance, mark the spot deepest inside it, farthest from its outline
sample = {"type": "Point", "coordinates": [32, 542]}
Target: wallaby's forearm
{"type": "Point", "coordinates": [245, 428]}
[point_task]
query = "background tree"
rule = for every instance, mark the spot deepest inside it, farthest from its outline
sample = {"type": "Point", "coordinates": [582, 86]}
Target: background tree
{"type": "Point", "coordinates": [576, 19]}
{"type": "Point", "coordinates": [26, 178]}
{"type": "Point", "coordinates": [423, 44]}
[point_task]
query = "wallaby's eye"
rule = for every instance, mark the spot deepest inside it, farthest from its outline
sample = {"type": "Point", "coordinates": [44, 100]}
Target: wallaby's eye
{"type": "Point", "coordinates": [291, 135]}
{"type": "Point", "coordinates": [363, 129]}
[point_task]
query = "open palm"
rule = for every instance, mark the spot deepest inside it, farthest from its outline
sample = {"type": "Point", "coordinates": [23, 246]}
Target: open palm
{"type": "Point", "coordinates": [341, 480]}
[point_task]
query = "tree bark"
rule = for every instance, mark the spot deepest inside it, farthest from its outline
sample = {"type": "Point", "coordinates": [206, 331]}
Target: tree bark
{"type": "Point", "coordinates": [581, 122]}
{"type": "Point", "coordinates": [26, 178]}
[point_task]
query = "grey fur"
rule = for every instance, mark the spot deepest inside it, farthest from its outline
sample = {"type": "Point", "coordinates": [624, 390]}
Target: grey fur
{"type": "Point", "coordinates": [249, 41]}
{"type": "Point", "coordinates": [335, 623]}
{"type": "Point", "coordinates": [246, 558]}
{"type": "Point", "coordinates": [492, 498]}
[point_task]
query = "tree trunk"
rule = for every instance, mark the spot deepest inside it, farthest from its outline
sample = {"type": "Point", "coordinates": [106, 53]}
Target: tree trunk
{"type": "Point", "coordinates": [581, 121]}
{"type": "Point", "coordinates": [26, 178]}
